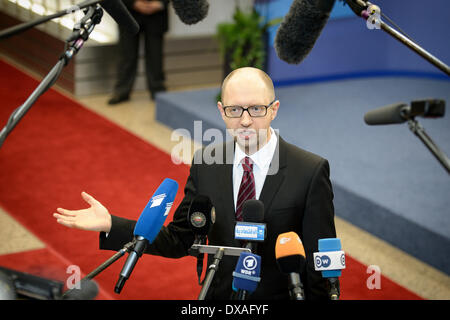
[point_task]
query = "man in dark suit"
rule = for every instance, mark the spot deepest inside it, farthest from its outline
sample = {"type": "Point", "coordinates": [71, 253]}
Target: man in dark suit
{"type": "Point", "coordinates": [292, 183]}
{"type": "Point", "coordinates": [152, 17]}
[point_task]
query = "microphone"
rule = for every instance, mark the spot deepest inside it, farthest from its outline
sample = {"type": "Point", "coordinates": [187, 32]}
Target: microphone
{"type": "Point", "coordinates": [191, 11]}
{"type": "Point", "coordinates": [88, 291]}
{"type": "Point", "coordinates": [401, 112]}
{"type": "Point", "coordinates": [291, 260]}
{"type": "Point", "coordinates": [300, 29]}
{"type": "Point", "coordinates": [117, 10]}
{"type": "Point", "coordinates": [148, 226]}
{"type": "Point", "coordinates": [390, 114]}
{"type": "Point", "coordinates": [252, 229]}
{"type": "Point", "coordinates": [330, 260]}
{"type": "Point", "coordinates": [201, 216]}
{"type": "Point", "coordinates": [246, 275]}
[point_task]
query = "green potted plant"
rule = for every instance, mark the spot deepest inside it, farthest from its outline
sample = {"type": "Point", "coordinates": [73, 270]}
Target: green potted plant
{"type": "Point", "coordinates": [243, 42]}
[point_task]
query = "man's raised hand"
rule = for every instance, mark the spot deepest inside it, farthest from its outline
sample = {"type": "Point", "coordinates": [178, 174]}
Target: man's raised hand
{"type": "Point", "coordinates": [94, 218]}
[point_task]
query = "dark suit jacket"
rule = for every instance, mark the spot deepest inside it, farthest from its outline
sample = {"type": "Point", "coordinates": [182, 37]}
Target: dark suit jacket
{"type": "Point", "coordinates": [297, 198]}
{"type": "Point", "coordinates": [155, 23]}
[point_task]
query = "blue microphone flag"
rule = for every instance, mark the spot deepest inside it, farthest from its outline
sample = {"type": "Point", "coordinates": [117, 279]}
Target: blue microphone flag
{"type": "Point", "coordinates": [329, 245]}
{"type": "Point", "coordinates": [246, 274]}
{"type": "Point", "coordinates": [156, 211]}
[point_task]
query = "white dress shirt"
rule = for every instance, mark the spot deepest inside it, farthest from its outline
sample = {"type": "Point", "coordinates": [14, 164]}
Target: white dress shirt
{"type": "Point", "coordinates": [261, 163]}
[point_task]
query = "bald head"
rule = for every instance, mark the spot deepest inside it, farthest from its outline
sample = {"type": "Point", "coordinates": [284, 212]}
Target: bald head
{"type": "Point", "coordinates": [246, 89]}
{"type": "Point", "coordinates": [248, 76]}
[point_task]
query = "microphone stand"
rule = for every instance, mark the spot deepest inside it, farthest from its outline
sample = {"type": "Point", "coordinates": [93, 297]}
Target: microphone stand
{"type": "Point", "coordinates": [126, 248]}
{"type": "Point", "coordinates": [334, 292]}
{"type": "Point", "coordinates": [6, 33]}
{"type": "Point", "coordinates": [241, 295]}
{"type": "Point", "coordinates": [80, 34]}
{"type": "Point", "coordinates": [296, 287]}
{"type": "Point", "coordinates": [210, 273]}
{"type": "Point", "coordinates": [367, 10]}
{"type": "Point", "coordinates": [366, 14]}
{"type": "Point", "coordinates": [419, 131]}
{"type": "Point", "coordinates": [218, 252]}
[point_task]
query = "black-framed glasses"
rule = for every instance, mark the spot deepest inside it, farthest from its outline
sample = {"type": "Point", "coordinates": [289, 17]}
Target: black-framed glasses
{"type": "Point", "coordinates": [255, 111]}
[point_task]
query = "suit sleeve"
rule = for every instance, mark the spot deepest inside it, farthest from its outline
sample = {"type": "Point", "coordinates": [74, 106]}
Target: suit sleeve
{"type": "Point", "coordinates": [318, 223]}
{"type": "Point", "coordinates": [172, 241]}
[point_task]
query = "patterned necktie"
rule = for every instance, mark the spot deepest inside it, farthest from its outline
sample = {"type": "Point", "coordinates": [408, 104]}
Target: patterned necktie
{"type": "Point", "coordinates": [247, 188]}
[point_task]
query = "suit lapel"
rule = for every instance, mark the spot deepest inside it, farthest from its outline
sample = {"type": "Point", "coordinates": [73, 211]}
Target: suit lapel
{"type": "Point", "coordinates": [226, 186]}
{"type": "Point", "coordinates": [275, 176]}
{"type": "Point", "coordinates": [225, 181]}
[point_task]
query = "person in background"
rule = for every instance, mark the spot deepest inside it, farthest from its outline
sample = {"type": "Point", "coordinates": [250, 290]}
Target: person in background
{"type": "Point", "coordinates": [152, 17]}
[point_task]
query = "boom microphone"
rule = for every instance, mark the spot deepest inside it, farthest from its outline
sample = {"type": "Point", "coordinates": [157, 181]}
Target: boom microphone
{"type": "Point", "coordinates": [291, 260]}
{"type": "Point", "coordinates": [390, 114]}
{"type": "Point", "coordinates": [115, 8]}
{"type": "Point", "coordinates": [148, 226]}
{"type": "Point", "coordinates": [121, 15]}
{"type": "Point", "coordinates": [191, 11]}
{"type": "Point", "coordinates": [401, 112]}
{"type": "Point", "coordinates": [300, 29]}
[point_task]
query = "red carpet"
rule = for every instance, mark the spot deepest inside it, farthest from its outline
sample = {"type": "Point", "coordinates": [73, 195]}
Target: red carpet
{"type": "Point", "coordinates": [60, 149]}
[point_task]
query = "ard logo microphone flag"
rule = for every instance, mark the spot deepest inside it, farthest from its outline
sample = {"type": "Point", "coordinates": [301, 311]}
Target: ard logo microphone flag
{"type": "Point", "coordinates": [155, 212]}
{"type": "Point", "coordinates": [246, 274]}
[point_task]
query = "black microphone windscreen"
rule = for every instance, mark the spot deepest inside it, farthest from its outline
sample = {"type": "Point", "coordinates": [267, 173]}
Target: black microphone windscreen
{"type": "Point", "coordinates": [390, 114]}
{"type": "Point", "coordinates": [293, 263]}
{"type": "Point", "coordinates": [191, 11]}
{"type": "Point", "coordinates": [300, 29]}
{"type": "Point", "coordinates": [201, 215]}
{"type": "Point", "coordinates": [88, 290]}
{"type": "Point", "coordinates": [253, 211]}
{"type": "Point", "coordinates": [120, 14]}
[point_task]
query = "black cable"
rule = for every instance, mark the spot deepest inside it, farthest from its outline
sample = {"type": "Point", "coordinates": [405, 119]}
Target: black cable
{"type": "Point", "coordinates": [397, 27]}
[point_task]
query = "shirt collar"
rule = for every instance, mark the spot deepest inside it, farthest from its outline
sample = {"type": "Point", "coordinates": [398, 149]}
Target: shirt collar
{"type": "Point", "coordinates": [262, 157]}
